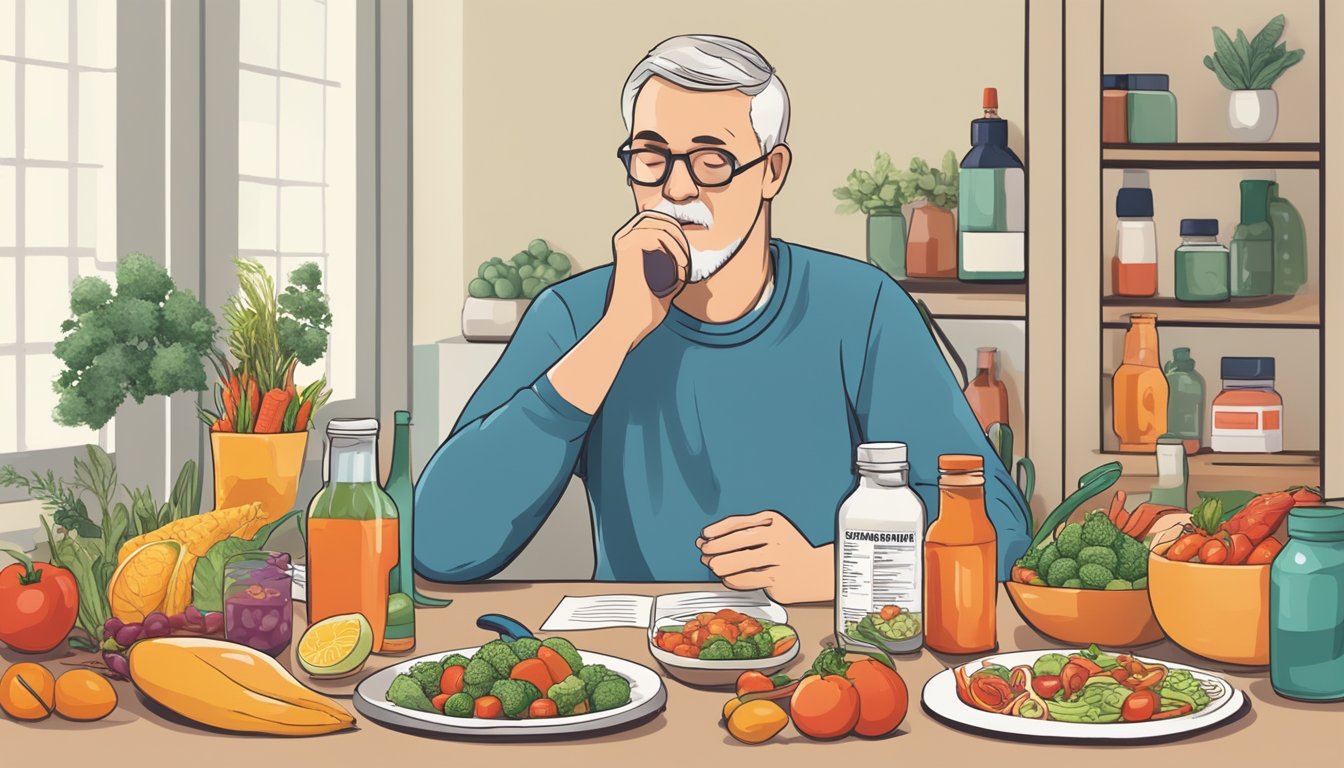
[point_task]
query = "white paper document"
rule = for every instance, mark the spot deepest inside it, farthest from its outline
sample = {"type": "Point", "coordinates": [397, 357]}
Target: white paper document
{"type": "Point", "coordinates": [605, 611]}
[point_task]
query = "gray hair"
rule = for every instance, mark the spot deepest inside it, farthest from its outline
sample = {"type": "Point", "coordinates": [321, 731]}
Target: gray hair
{"type": "Point", "coordinates": [714, 63]}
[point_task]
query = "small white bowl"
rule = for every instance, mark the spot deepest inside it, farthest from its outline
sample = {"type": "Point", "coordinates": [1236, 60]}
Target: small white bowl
{"type": "Point", "coordinates": [712, 673]}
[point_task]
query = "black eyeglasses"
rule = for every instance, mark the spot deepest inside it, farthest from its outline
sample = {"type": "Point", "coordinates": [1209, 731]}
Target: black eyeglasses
{"type": "Point", "coordinates": [709, 167]}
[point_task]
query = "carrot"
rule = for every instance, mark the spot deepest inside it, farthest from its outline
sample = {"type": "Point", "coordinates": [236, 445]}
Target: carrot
{"type": "Point", "coordinates": [1214, 552]}
{"type": "Point", "coordinates": [1239, 548]}
{"type": "Point", "coordinates": [1119, 517]}
{"type": "Point", "coordinates": [1305, 497]}
{"type": "Point", "coordinates": [533, 671]}
{"type": "Point", "coordinates": [559, 669]}
{"type": "Point", "coordinates": [783, 646]}
{"type": "Point", "coordinates": [1264, 552]}
{"type": "Point", "coordinates": [271, 415]}
{"type": "Point", "coordinates": [438, 701]}
{"type": "Point", "coordinates": [488, 707]}
{"type": "Point", "coordinates": [1186, 547]}
{"type": "Point", "coordinates": [1145, 517]}
{"type": "Point", "coordinates": [301, 417]}
{"type": "Point", "coordinates": [1177, 712]}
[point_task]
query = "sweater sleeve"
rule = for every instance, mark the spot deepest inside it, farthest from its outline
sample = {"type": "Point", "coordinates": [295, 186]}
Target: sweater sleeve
{"type": "Point", "coordinates": [494, 481]}
{"type": "Point", "coordinates": [907, 393]}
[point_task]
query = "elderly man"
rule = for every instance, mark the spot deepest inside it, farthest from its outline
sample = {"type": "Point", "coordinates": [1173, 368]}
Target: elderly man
{"type": "Point", "coordinates": [715, 427]}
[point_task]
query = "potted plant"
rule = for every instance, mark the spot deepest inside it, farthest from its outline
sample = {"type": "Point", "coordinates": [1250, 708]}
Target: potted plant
{"type": "Point", "coordinates": [879, 194]}
{"type": "Point", "coordinates": [1248, 69]}
{"type": "Point", "coordinates": [259, 423]}
{"type": "Point", "coordinates": [500, 292]}
{"type": "Point", "coordinates": [932, 247]}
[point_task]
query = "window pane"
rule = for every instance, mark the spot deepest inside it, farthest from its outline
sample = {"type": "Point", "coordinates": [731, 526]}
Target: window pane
{"type": "Point", "coordinates": [42, 430]}
{"type": "Point", "coordinates": [46, 206]}
{"type": "Point", "coordinates": [47, 30]}
{"type": "Point", "coordinates": [97, 117]}
{"type": "Point", "coordinates": [8, 206]}
{"type": "Point", "coordinates": [256, 216]}
{"type": "Point", "coordinates": [301, 223]}
{"type": "Point", "coordinates": [9, 304]}
{"type": "Point", "coordinates": [9, 391]}
{"type": "Point", "coordinates": [301, 129]}
{"type": "Point", "coordinates": [8, 11]}
{"type": "Point", "coordinates": [7, 111]}
{"type": "Point", "coordinates": [256, 124]}
{"type": "Point", "coordinates": [97, 36]}
{"type": "Point", "coordinates": [46, 113]}
{"type": "Point", "coordinates": [302, 37]}
{"type": "Point", "coordinates": [339, 280]}
{"type": "Point", "coordinates": [257, 32]}
{"type": "Point", "coordinates": [46, 289]}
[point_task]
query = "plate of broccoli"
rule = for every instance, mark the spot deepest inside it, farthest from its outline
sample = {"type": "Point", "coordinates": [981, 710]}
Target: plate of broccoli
{"type": "Point", "coordinates": [512, 688]}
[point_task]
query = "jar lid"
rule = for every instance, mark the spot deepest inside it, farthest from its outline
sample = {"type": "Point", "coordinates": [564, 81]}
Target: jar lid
{"type": "Point", "coordinates": [882, 453]}
{"type": "Point", "coordinates": [1115, 82]}
{"type": "Point", "coordinates": [1149, 82]}
{"type": "Point", "coordinates": [1134, 202]}
{"type": "Point", "coordinates": [352, 427]}
{"type": "Point", "coordinates": [1199, 227]}
{"type": "Point", "coordinates": [1248, 368]}
{"type": "Point", "coordinates": [960, 462]}
{"type": "Point", "coordinates": [1315, 521]}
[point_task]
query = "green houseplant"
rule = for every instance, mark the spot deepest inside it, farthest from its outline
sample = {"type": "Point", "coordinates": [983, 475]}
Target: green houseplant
{"type": "Point", "coordinates": [931, 250]}
{"type": "Point", "coordinates": [1248, 69]}
{"type": "Point", "coordinates": [498, 295]}
{"type": "Point", "coordinates": [879, 194]}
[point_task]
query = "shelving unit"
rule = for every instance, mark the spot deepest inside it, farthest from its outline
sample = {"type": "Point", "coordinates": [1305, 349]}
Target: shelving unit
{"type": "Point", "coordinates": [1191, 156]}
{"type": "Point", "coordinates": [955, 300]}
{"type": "Point", "coordinates": [1301, 311]}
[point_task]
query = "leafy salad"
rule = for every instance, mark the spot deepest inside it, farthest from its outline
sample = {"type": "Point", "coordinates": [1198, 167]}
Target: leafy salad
{"type": "Point", "coordinates": [1089, 686]}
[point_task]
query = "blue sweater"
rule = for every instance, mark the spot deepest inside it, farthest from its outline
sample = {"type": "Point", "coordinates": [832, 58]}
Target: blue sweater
{"type": "Point", "coordinates": [704, 421]}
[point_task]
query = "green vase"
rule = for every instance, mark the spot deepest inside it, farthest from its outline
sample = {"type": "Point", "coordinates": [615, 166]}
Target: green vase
{"type": "Point", "coordinates": [886, 242]}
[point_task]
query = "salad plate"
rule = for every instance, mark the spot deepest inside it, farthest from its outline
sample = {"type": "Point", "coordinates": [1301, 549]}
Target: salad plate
{"type": "Point", "coordinates": [942, 702]}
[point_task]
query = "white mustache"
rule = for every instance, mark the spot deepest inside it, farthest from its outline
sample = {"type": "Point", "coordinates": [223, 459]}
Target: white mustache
{"type": "Point", "coordinates": [694, 212]}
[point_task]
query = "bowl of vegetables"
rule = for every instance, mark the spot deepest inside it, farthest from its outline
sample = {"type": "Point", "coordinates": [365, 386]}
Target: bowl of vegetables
{"type": "Point", "coordinates": [712, 649]}
{"type": "Point", "coordinates": [499, 294]}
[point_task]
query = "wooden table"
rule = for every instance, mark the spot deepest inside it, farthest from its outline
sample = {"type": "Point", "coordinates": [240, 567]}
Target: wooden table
{"type": "Point", "coordinates": [1273, 729]}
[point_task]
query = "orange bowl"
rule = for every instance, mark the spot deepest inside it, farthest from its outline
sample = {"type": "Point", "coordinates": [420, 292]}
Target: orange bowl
{"type": "Point", "coordinates": [1111, 618]}
{"type": "Point", "coordinates": [1220, 612]}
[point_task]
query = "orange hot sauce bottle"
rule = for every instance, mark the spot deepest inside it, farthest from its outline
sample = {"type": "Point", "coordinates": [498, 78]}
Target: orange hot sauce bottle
{"type": "Point", "coordinates": [960, 562]}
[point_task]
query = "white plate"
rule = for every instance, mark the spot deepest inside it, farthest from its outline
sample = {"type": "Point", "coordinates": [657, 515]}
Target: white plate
{"type": "Point", "coordinates": [941, 701]}
{"type": "Point", "coordinates": [647, 696]}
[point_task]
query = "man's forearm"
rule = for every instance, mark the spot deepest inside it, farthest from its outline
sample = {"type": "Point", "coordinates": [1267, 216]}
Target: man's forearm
{"type": "Point", "coordinates": [584, 376]}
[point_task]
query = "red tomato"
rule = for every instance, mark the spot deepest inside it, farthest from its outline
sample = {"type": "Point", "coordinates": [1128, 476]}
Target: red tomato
{"type": "Point", "coordinates": [38, 604]}
{"type": "Point", "coordinates": [1046, 686]}
{"type": "Point", "coordinates": [451, 682]}
{"type": "Point", "coordinates": [542, 708]}
{"type": "Point", "coordinates": [488, 707]}
{"type": "Point", "coordinates": [1073, 677]}
{"type": "Point", "coordinates": [1139, 706]}
{"type": "Point", "coordinates": [751, 682]}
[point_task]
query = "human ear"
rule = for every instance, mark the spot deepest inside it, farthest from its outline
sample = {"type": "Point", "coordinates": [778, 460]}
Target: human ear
{"type": "Point", "coordinates": [776, 170]}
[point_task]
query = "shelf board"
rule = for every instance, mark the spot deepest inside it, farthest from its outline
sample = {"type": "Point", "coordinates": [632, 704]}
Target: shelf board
{"type": "Point", "coordinates": [1301, 311]}
{"type": "Point", "coordinates": [956, 300]}
{"type": "Point", "coordinates": [1212, 155]}
{"type": "Point", "coordinates": [1209, 471]}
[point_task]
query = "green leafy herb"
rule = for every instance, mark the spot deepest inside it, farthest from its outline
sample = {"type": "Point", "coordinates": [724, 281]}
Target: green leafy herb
{"type": "Point", "coordinates": [939, 186]}
{"type": "Point", "coordinates": [1207, 515]}
{"type": "Point", "coordinates": [1243, 65]}
{"type": "Point", "coordinates": [1232, 501]}
{"type": "Point", "coordinates": [207, 582]}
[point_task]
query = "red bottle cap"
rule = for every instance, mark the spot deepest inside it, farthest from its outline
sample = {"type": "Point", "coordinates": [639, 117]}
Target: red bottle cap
{"type": "Point", "coordinates": [956, 462]}
{"type": "Point", "coordinates": [991, 98]}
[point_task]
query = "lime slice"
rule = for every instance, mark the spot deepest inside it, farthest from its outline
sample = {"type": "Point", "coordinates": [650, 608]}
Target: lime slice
{"type": "Point", "coordinates": [336, 646]}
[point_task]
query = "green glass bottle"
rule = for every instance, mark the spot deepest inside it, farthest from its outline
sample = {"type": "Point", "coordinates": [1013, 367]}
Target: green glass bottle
{"type": "Point", "coordinates": [1252, 251]}
{"type": "Point", "coordinates": [1185, 399]}
{"type": "Point", "coordinates": [1290, 244]}
{"type": "Point", "coordinates": [400, 635]}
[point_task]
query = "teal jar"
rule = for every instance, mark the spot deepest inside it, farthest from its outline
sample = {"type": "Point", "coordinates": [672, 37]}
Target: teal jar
{"type": "Point", "coordinates": [1150, 109]}
{"type": "Point", "coordinates": [1306, 607]}
{"type": "Point", "coordinates": [886, 242]}
{"type": "Point", "coordinates": [1202, 272]}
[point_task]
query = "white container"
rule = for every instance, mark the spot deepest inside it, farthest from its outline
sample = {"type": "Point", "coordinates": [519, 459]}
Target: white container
{"type": "Point", "coordinates": [879, 549]}
{"type": "Point", "coordinates": [1135, 272]}
{"type": "Point", "coordinates": [491, 319]}
{"type": "Point", "coordinates": [1253, 115]}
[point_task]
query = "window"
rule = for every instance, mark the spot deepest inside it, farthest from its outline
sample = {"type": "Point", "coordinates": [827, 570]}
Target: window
{"type": "Point", "coordinates": [296, 155]}
{"type": "Point", "coordinates": [58, 187]}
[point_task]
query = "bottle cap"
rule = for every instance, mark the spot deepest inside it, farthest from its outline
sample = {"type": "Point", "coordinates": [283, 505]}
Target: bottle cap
{"type": "Point", "coordinates": [402, 418]}
{"type": "Point", "coordinates": [991, 98]}
{"type": "Point", "coordinates": [960, 462]}
{"type": "Point", "coordinates": [1181, 353]}
{"type": "Point", "coordinates": [1248, 368]}
{"type": "Point", "coordinates": [882, 453]}
{"type": "Point", "coordinates": [1149, 82]}
{"type": "Point", "coordinates": [1115, 82]}
{"type": "Point", "coordinates": [1306, 521]}
{"type": "Point", "coordinates": [352, 427]}
{"type": "Point", "coordinates": [984, 357]}
{"type": "Point", "coordinates": [1134, 203]}
{"type": "Point", "coordinates": [1199, 227]}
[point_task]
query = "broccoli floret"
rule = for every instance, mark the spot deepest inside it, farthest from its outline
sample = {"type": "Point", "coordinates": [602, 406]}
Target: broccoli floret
{"type": "Point", "coordinates": [1095, 576]}
{"type": "Point", "coordinates": [526, 647]}
{"type": "Point", "coordinates": [591, 675]}
{"type": "Point", "coordinates": [1131, 558]}
{"type": "Point", "coordinates": [1062, 570]}
{"type": "Point", "coordinates": [568, 694]}
{"type": "Point", "coordinates": [1102, 556]}
{"type": "Point", "coordinates": [515, 696]}
{"type": "Point", "coordinates": [712, 639]}
{"type": "Point", "coordinates": [459, 705]}
{"type": "Point", "coordinates": [1141, 582]}
{"type": "Point", "coordinates": [611, 693]}
{"type": "Point", "coordinates": [499, 656]}
{"type": "Point", "coordinates": [1049, 664]}
{"type": "Point", "coordinates": [566, 650]}
{"type": "Point", "coordinates": [717, 651]}
{"type": "Point", "coordinates": [478, 678]}
{"type": "Point", "coordinates": [1073, 584]}
{"type": "Point", "coordinates": [1098, 530]}
{"type": "Point", "coordinates": [745, 650]}
{"type": "Point", "coordinates": [406, 692]}
{"type": "Point", "coordinates": [428, 674]}
{"type": "Point", "coordinates": [765, 645]}
{"type": "Point", "coordinates": [454, 660]}
{"type": "Point", "coordinates": [1118, 584]}
{"type": "Point", "coordinates": [1070, 540]}
{"type": "Point", "coordinates": [1049, 554]}
{"type": "Point", "coordinates": [1030, 560]}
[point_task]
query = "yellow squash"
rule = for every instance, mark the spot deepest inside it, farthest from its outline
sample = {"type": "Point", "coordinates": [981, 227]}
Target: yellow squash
{"type": "Point", "coordinates": [142, 581]}
{"type": "Point", "coordinates": [231, 687]}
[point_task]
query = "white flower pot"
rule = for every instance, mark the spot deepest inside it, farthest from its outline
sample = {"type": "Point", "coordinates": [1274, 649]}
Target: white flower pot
{"type": "Point", "coordinates": [1252, 115]}
{"type": "Point", "coordinates": [491, 319]}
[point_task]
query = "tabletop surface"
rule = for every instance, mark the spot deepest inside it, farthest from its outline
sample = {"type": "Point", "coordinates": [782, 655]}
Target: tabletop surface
{"type": "Point", "coordinates": [688, 727]}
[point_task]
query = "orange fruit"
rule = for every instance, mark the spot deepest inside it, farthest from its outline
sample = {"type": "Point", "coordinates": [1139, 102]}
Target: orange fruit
{"type": "Point", "coordinates": [27, 691]}
{"type": "Point", "coordinates": [883, 698]}
{"type": "Point", "coordinates": [142, 581]}
{"type": "Point", "coordinates": [82, 694]}
{"type": "Point", "coordinates": [757, 721]}
{"type": "Point", "coordinates": [825, 707]}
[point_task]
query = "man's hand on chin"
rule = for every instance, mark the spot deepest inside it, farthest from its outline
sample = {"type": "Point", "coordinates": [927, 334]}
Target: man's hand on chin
{"type": "Point", "coordinates": [765, 551]}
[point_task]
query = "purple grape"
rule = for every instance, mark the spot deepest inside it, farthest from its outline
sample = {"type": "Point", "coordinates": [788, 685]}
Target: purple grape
{"type": "Point", "coordinates": [157, 625]}
{"type": "Point", "coordinates": [112, 626]}
{"type": "Point", "coordinates": [177, 621]}
{"type": "Point", "coordinates": [117, 664]}
{"type": "Point", "coordinates": [193, 616]}
{"type": "Point", "coordinates": [129, 633]}
{"type": "Point", "coordinates": [214, 622]}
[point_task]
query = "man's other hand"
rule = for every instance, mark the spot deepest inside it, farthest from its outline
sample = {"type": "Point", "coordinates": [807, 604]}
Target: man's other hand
{"type": "Point", "coordinates": [765, 551]}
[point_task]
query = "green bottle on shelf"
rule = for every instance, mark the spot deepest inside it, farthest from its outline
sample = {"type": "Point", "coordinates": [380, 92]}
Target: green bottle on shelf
{"type": "Point", "coordinates": [1185, 399]}
{"type": "Point", "coordinates": [1252, 251]}
{"type": "Point", "coordinates": [1290, 244]}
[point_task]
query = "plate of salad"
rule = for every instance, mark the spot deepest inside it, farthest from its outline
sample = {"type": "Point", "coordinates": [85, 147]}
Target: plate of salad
{"type": "Point", "coordinates": [514, 688]}
{"type": "Point", "coordinates": [1087, 695]}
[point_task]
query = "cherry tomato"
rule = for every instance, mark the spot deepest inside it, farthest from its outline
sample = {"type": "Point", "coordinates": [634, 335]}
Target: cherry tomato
{"type": "Point", "coordinates": [488, 707]}
{"type": "Point", "coordinates": [1139, 706]}
{"type": "Point", "coordinates": [1046, 686]}
{"type": "Point", "coordinates": [542, 708]}
{"type": "Point", "coordinates": [1073, 677]}
{"type": "Point", "coordinates": [451, 681]}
